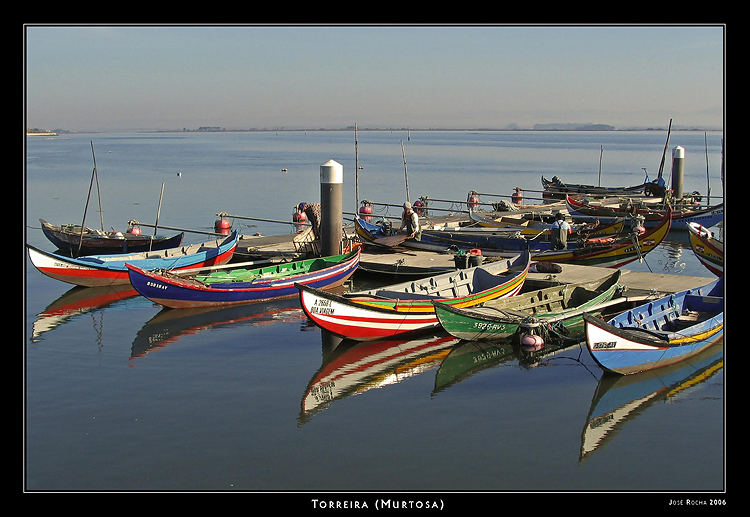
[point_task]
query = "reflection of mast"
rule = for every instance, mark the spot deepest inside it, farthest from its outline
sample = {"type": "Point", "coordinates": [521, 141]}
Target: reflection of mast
{"type": "Point", "coordinates": [355, 367]}
{"type": "Point", "coordinates": [619, 399]}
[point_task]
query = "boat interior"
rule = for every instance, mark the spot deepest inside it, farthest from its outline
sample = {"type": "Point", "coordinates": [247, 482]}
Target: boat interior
{"type": "Point", "coordinates": [673, 315]}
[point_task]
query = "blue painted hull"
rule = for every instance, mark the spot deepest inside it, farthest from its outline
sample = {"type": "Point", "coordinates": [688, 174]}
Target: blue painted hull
{"type": "Point", "coordinates": [186, 293]}
{"type": "Point", "coordinates": [659, 333]}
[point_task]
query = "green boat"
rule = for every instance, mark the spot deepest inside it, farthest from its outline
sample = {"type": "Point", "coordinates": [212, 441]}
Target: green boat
{"type": "Point", "coordinates": [501, 318]}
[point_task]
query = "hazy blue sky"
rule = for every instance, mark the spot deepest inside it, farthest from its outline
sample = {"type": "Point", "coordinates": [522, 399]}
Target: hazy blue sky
{"type": "Point", "coordinates": [155, 77]}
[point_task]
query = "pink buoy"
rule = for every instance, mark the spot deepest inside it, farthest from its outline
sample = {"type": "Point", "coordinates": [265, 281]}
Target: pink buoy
{"type": "Point", "coordinates": [134, 230]}
{"type": "Point", "coordinates": [531, 342]}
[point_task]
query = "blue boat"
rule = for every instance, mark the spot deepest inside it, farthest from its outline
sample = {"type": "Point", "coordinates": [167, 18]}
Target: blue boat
{"type": "Point", "coordinates": [658, 333]}
{"type": "Point", "coordinates": [232, 285]}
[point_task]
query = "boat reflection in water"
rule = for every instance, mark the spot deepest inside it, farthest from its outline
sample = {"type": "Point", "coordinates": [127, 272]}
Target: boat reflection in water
{"type": "Point", "coordinates": [354, 367]}
{"type": "Point", "coordinates": [620, 398]}
{"type": "Point", "coordinates": [470, 357]}
{"type": "Point", "coordinates": [76, 301]}
{"type": "Point", "coordinates": [170, 325]}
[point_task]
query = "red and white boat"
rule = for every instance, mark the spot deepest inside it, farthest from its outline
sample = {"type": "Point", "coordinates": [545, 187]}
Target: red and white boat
{"type": "Point", "coordinates": [407, 307]}
{"type": "Point", "coordinates": [105, 270]}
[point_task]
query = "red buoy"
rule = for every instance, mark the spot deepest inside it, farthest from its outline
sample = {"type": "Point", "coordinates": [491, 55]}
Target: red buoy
{"type": "Point", "coordinates": [517, 196]}
{"type": "Point", "coordinates": [472, 201]}
{"type": "Point", "coordinates": [366, 210]}
{"type": "Point", "coordinates": [300, 218]}
{"type": "Point", "coordinates": [222, 226]}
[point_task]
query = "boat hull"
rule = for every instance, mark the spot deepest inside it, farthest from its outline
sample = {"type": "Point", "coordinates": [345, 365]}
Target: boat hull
{"type": "Point", "coordinates": [558, 190]}
{"type": "Point", "coordinates": [490, 323]}
{"type": "Point", "coordinates": [107, 270]}
{"type": "Point", "coordinates": [177, 293]}
{"type": "Point", "coordinates": [96, 244]}
{"type": "Point", "coordinates": [615, 255]}
{"type": "Point", "coordinates": [366, 318]}
{"type": "Point", "coordinates": [708, 250]}
{"type": "Point", "coordinates": [652, 217]}
{"type": "Point", "coordinates": [641, 340]}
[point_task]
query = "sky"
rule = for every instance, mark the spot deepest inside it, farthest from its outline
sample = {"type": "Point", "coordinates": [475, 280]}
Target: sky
{"type": "Point", "coordinates": [93, 78]}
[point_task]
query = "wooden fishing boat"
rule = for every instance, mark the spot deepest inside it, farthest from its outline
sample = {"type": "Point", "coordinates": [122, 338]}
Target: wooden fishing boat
{"type": "Point", "coordinates": [502, 318]}
{"type": "Point", "coordinates": [233, 285]}
{"type": "Point", "coordinates": [104, 270]}
{"type": "Point", "coordinates": [610, 252]}
{"type": "Point", "coordinates": [407, 307]}
{"type": "Point", "coordinates": [531, 228]}
{"type": "Point", "coordinates": [658, 333]}
{"type": "Point", "coordinates": [652, 214]}
{"type": "Point", "coordinates": [557, 189]}
{"type": "Point", "coordinates": [96, 242]}
{"type": "Point", "coordinates": [494, 242]}
{"type": "Point", "coordinates": [708, 249]}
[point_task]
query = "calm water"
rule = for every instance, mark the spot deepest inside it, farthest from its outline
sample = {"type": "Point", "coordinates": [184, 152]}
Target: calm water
{"type": "Point", "coordinates": [121, 395]}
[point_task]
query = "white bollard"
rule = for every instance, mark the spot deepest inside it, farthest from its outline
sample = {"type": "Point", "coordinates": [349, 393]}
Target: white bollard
{"type": "Point", "coordinates": [331, 207]}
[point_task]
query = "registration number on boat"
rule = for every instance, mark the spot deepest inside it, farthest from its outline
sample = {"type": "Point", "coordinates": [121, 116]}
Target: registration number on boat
{"type": "Point", "coordinates": [604, 344]}
{"type": "Point", "coordinates": [321, 307]}
{"type": "Point", "coordinates": [482, 325]}
{"type": "Point", "coordinates": [154, 284]}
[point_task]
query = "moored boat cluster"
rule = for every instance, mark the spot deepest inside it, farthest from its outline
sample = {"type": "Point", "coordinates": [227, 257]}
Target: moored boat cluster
{"type": "Point", "coordinates": [482, 299]}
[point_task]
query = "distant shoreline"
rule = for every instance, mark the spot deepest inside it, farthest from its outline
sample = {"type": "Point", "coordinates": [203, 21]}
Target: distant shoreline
{"type": "Point", "coordinates": [404, 129]}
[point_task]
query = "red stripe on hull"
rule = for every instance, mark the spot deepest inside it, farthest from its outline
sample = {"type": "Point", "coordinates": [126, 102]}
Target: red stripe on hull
{"type": "Point", "coordinates": [95, 277]}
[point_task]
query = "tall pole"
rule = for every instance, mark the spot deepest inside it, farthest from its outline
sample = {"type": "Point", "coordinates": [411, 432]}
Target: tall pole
{"type": "Point", "coordinates": [356, 169]}
{"type": "Point", "coordinates": [664, 153]}
{"type": "Point", "coordinates": [708, 182]}
{"type": "Point", "coordinates": [158, 212]}
{"type": "Point", "coordinates": [85, 209]}
{"type": "Point", "coordinates": [406, 174]}
{"type": "Point", "coordinates": [98, 193]}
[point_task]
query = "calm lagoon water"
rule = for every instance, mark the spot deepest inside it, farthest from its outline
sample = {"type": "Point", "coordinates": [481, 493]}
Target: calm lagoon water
{"type": "Point", "coordinates": [123, 396]}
